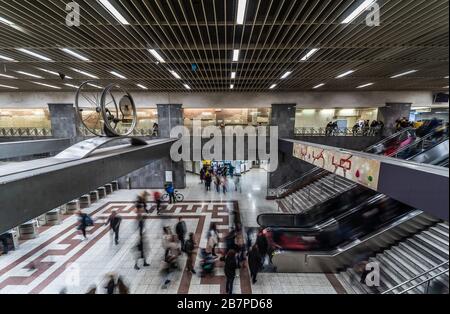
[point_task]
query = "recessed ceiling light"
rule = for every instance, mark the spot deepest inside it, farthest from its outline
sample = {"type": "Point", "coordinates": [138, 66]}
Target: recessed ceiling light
{"type": "Point", "coordinates": [236, 55]}
{"type": "Point", "coordinates": [7, 76]}
{"type": "Point", "coordinates": [273, 86]}
{"type": "Point", "coordinates": [233, 75]}
{"type": "Point", "coordinates": [34, 54]}
{"type": "Point", "coordinates": [357, 12]}
{"type": "Point", "coordinates": [446, 87]}
{"type": "Point", "coordinates": [404, 73]}
{"type": "Point", "coordinates": [187, 86]}
{"type": "Point", "coordinates": [75, 54]}
{"type": "Point", "coordinates": [319, 86]}
{"type": "Point", "coordinates": [446, 77]}
{"type": "Point", "coordinates": [232, 86]}
{"type": "Point", "coordinates": [345, 74]}
{"type": "Point", "coordinates": [365, 85]}
{"type": "Point", "coordinates": [29, 74]}
{"type": "Point", "coordinates": [71, 85]}
{"type": "Point", "coordinates": [108, 6]}
{"type": "Point", "coordinates": [242, 5]}
{"type": "Point", "coordinates": [310, 54]}
{"type": "Point", "coordinates": [7, 86]}
{"type": "Point", "coordinates": [46, 85]}
{"type": "Point", "coordinates": [85, 73]}
{"type": "Point", "coordinates": [53, 72]}
{"type": "Point", "coordinates": [157, 55]}
{"type": "Point", "coordinates": [118, 75]}
{"type": "Point", "coordinates": [7, 58]}
{"type": "Point", "coordinates": [285, 75]}
{"type": "Point", "coordinates": [175, 74]}
{"type": "Point", "coordinates": [141, 86]}
{"type": "Point", "coordinates": [96, 86]}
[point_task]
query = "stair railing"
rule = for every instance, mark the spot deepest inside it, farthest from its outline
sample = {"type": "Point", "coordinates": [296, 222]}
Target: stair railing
{"type": "Point", "coordinates": [426, 273]}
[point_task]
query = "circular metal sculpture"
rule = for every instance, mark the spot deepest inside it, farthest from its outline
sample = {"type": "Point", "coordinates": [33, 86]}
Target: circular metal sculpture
{"type": "Point", "coordinates": [118, 110]}
{"type": "Point", "coordinates": [89, 107]}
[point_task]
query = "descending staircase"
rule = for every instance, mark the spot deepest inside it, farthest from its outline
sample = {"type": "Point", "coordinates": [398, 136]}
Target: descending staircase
{"type": "Point", "coordinates": [317, 192]}
{"type": "Point", "coordinates": [407, 260]}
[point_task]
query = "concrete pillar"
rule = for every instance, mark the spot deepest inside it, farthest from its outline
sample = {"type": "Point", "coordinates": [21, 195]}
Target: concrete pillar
{"type": "Point", "coordinates": [169, 116]}
{"type": "Point", "coordinates": [64, 121]}
{"type": "Point", "coordinates": [283, 116]}
{"type": "Point", "coordinates": [390, 113]}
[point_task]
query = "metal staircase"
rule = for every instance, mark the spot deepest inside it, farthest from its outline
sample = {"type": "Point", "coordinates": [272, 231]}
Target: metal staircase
{"type": "Point", "coordinates": [408, 267]}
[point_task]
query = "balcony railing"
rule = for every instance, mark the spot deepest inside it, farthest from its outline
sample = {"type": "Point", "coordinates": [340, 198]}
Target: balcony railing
{"type": "Point", "coordinates": [136, 132]}
{"type": "Point", "coordinates": [24, 132]}
{"type": "Point", "coordinates": [337, 132]}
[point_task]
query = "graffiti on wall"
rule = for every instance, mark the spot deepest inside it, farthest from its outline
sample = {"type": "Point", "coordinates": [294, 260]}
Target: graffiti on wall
{"type": "Point", "coordinates": [361, 170]}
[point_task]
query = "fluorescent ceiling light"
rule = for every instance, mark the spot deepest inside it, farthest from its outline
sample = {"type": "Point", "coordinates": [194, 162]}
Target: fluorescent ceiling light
{"type": "Point", "coordinates": [285, 75]}
{"type": "Point", "coordinates": [319, 86]}
{"type": "Point", "coordinates": [446, 87]}
{"type": "Point", "coordinates": [108, 6]}
{"type": "Point", "coordinates": [29, 74]}
{"type": "Point", "coordinates": [310, 54]}
{"type": "Point", "coordinates": [187, 86]}
{"type": "Point", "coordinates": [75, 54]}
{"type": "Point", "coordinates": [34, 54]}
{"type": "Point", "coordinates": [233, 75]}
{"type": "Point", "coordinates": [85, 73]}
{"type": "Point", "coordinates": [118, 75]}
{"type": "Point", "coordinates": [403, 74]}
{"type": "Point", "coordinates": [5, 21]}
{"type": "Point", "coordinates": [46, 85]}
{"type": "Point", "coordinates": [446, 77]}
{"type": "Point", "coordinates": [10, 87]}
{"type": "Point", "coordinates": [7, 58]}
{"type": "Point", "coordinates": [175, 74]}
{"type": "Point", "coordinates": [52, 72]}
{"type": "Point", "coordinates": [232, 86]}
{"type": "Point", "coordinates": [157, 55]}
{"type": "Point", "coordinates": [7, 76]}
{"type": "Point", "coordinates": [141, 86]}
{"type": "Point", "coordinates": [357, 12]}
{"type": "Point", "coordinates": [273, 86]}
{"type": "Point", "coordinates": [242, 5]}
{"type": "Point", "coordinates": [365, 85]}
{"type": "Point", "coordinates": [96, 86]}
{"type": "Point", "coordinates": [236, 55]}
{"type": "Point", "coordinates": [345, 74]}
{"type": "Point", "coordinates": [71, 85]}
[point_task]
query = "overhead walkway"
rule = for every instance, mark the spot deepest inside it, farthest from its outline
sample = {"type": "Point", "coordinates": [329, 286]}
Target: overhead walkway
{"type": "Point", "coordinates": [10, 150]}
{"type": "Point", "coordinates": [30, 189]}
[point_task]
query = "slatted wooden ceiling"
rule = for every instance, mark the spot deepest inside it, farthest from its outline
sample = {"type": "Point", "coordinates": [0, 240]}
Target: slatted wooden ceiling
{"type": "Point", "coordinates": [276, 34]}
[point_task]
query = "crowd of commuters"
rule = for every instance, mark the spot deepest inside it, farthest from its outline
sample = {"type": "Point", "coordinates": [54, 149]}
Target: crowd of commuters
{"type": "Point", "coordinates": [220, 176]}
{"type": "Point", "coordinates": [361, 128]}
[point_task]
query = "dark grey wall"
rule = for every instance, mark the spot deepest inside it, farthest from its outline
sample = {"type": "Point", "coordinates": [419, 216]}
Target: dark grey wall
{"type": "Point", "coordinates": [283, 116]}
{"type": "Point", "coordinates": [64, 120]}
{"type": "Point", "coordinates": [390, 113]}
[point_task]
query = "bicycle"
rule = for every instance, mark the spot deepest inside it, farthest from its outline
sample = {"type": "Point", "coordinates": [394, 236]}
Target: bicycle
{"type": "Point", "coordinates": [178, 197]}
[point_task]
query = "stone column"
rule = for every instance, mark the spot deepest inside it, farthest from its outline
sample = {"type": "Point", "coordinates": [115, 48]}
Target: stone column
{"type": "Point", "coordinates": [283, 116]}
{"type": "Point", "coordinates": [390, 113]}
{"type": "Point", "coordinates": [169, 116]}
{"type": "Point", "coordinates": [64, 120]}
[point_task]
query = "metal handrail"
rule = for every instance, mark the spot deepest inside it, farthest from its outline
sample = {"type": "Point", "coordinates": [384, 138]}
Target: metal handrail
{"type": "Point", "coordinates": [18, 132]}
{"type": "Point", "coordinates": [387, 139]}
{"type": "Point", "coordinates": [416, 143]}
{"type": "Point", "coordinates": [312, 131]}
{"type": "Point", "coordinates": [416, 277]}
{"type": "Point", "coordinates": [425, 281]}
{"type": "Point", "coordinates": [284, 186]}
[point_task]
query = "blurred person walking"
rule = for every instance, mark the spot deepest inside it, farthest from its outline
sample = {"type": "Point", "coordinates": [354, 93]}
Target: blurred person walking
{"type": "Point", "coordinates": [189, 249]}
{"type": "Point", "coordinates": [84, 222]}
{"type": "Point", "coordinates": [114, 222]}
{"type": "Point", "coordinates": [181, 231]}
{"type": "Point", "coordinates": [230, 271]}
{"type": "Point", "coordinates": [254, 263]}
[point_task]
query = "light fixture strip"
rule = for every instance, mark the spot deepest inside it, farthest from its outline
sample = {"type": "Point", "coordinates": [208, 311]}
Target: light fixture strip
{"type": "Point", "coordinates": [242, 6]}
{"type": "Point", "coordinates": [114, 12]}
{"type": "Point", "coordinates": [7, 86]}
{"type": "Point", "coordinates": [358, 11]}
{"type": "Point", "coordinates": [365, 85]}
{"type": "Point", "coordinates": [29, 74]}
{"type": "Point", "coordinates": [345, 74]}
{"type": "Point", "coordinates": [236, 53]}
{"type": "Point", "coordinates": [33, 54]}
{"type": "Point", "coordinates": [404, 74]}
{"type": "Point", "coordinates": [319, 86]}
{"type": "Point", "coordinates": [118, 75]}
{"type": "Point", "coordinates": [310, 54]}
{"type": "Point", "coordinates": [75, 54]}
{"type": "Point", "coordinates": [157, 55]}
{"type": "Point", "coordinates": [85, 73]}
{"type": "Point", "coordinates": [46, 85]}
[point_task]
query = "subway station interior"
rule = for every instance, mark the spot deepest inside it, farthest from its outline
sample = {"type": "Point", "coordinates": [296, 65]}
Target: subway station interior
{"type": "Point", "coordinates": [214, 147]}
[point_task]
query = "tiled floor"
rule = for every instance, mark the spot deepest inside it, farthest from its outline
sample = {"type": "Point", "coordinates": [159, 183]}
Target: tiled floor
{"type": "Point", "coordinates": [58, 259]}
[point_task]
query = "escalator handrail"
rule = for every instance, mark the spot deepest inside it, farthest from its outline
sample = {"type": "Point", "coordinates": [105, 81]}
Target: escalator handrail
{"type": "Point", "coordinates": [424, 152]}
{"type": "Point", "coordinates": [330, 221]}
{"type": "Point", "coordinates": [387, 139]}
{"type": "Point", "coordinates": [340, 250]}
{"type": "Point", "coordinates": [418, 142]}
{"type": "Point", "coordinates": [303, 177]}
{"type": "Point", "coordinates": [425, 281]}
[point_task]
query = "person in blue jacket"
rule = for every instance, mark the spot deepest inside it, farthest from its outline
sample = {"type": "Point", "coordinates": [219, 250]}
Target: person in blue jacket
{"type": "Point", "coordinates": [171, 191]}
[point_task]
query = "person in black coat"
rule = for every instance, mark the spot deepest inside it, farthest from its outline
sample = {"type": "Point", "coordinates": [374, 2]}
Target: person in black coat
{"type": "Point", "coordinates": [230, 270]}
{"type": "Point", "coordinates": [114, 222]}
{"type": "Point", "coordinates": [254, 262]}
{"type": "Point", "coordinates": [181, 231]}
{"type": "Point", "coordinates": [263, 245]}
